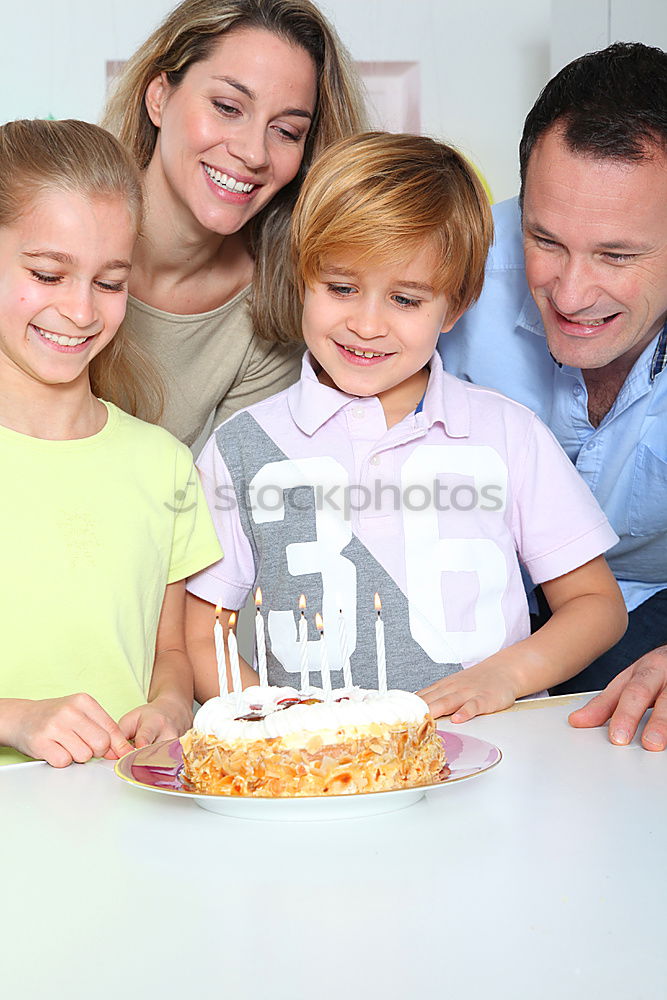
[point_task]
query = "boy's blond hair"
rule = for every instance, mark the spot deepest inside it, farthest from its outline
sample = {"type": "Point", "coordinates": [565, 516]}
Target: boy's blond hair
{"type": "Point", "coordinates": [380, 197]}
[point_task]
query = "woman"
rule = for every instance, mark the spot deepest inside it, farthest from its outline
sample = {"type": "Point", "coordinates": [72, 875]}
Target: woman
{"type": "Point", "coordinates": [224, 107]}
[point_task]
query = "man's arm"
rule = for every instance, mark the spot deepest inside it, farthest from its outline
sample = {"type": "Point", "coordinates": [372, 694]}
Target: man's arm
{"type": "Point", "coordinates": [641, 686]}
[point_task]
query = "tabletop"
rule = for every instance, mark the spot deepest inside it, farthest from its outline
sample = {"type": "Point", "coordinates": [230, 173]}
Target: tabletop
{"type": "Point", "coordinates": [544, 876]}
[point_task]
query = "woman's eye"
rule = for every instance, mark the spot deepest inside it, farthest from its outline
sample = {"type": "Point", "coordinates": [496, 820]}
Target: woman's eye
{"type": "Point", "coordinates": [286, 133]}
{"type": "Point", "coordinates": [226, 109]}
{"type": "Point", "coordinates": [48, 279]}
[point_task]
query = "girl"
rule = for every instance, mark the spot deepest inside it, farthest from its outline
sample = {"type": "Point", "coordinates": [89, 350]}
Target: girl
{"type": "Point", "coordinates": [223, 109]}
{"type": "Point", "coordinates": [101, 519]}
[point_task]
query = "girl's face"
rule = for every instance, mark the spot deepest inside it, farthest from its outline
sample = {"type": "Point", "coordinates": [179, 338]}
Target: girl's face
{"type": "Point", "coordinates": [64, 266]}
{"type": "Point", "coordinates": [233, 133]}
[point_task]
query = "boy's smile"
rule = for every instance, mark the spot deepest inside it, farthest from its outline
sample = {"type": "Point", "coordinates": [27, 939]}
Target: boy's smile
{"type": "Point", "coordinates": [373, 328]}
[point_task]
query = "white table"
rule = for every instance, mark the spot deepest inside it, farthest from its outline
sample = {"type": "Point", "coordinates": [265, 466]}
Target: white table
{"type": "Point", "coordinates": [543, 878]}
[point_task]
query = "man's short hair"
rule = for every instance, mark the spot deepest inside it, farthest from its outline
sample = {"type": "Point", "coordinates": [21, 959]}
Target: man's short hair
{"type": "Point", "coordinates": [608, 104]}
{"type": "Point", "coordinates": [381, 197]}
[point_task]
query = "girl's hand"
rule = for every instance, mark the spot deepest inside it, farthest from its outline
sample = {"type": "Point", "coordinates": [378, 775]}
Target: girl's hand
{"type": "Point", "coordinates": [489, 686]}
{"type": "Point", "coordinates": [163, 718]}
{"type": "Point", "coordinates": [62, 730]}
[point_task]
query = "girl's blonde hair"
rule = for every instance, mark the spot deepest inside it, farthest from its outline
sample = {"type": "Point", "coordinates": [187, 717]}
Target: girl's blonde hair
{"type": "Point", "coordinates": [187, 36]}
{"type": "Point", "coordinates": [381, 198]}
{"type": "Point", "coordinates": [80, 158]}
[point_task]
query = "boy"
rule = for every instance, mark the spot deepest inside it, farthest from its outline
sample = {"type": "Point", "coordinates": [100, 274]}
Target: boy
{"type": "Point", "coordinates": [378, 472]}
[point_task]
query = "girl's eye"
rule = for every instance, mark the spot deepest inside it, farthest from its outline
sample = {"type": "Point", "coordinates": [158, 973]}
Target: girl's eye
{"type": "Point", "coordinates": [48, 279]}
{"type": "Point", "coordinates": [406, 302]}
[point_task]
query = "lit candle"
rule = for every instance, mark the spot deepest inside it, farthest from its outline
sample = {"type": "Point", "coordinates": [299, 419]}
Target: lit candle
{"type": "Point", "coordinates": [379, 644]}
{"type": "Point", "coordinates": [324, 659]}
{"type": "Point", "coordinates": [344, 655]}
{"type": "Point", "coordinates": [303, 645]}
{"type": "Point", "coordinates": [234, 657]}
{"type": "Point", "coordinates": [220, 652]}
{"type": "Point", "coordinates": [260, 641]}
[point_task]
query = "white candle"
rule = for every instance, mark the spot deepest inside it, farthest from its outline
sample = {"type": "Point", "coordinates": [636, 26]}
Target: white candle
{"type": "Point", "coordinates": [260, 641]}
{"type": "Point", "coordinates": [344, 655]}
{"type": "Point", "coordinates": [379, 644]}
{"type": "Point", "coordinates": [303, 646]}
{"type": "Point", "coordinates": [233, 649]}
{"type": "Point", "coordinates": [219, 640]}
{"type": "Point", "coordinates": [324, 660]}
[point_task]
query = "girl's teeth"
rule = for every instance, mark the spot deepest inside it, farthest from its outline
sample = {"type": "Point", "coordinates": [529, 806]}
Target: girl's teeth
{"type": "Point", "coordinates": [222, 180]}
{"type": "Point", "coordinates": [62, 341]}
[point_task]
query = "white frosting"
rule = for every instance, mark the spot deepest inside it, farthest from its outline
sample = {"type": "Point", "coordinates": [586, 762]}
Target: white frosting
{"type": "Point", "coordinates": [218, 717]}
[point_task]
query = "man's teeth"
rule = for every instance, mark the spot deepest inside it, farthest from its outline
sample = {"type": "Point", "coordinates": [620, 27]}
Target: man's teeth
{"type": "Point", "coordinates": [222, 180]}
{"type": "Point", "coordinates": [366, 354]}
{"type": "Point", "coordinates": [63, 341]}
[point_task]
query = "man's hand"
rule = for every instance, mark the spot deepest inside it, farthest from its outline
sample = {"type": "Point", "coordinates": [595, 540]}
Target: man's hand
{"type": "Point", "coordinates": [486, 687]}
{"type": "Point", "coordinates": [623, 702]}
{"type": "Point", "coordinates": [63, 730]}
{"type": "Point", "coordinates": [162, 718]}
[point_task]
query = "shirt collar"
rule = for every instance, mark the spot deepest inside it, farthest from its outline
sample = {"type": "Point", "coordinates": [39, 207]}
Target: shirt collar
{"type": "Point", "coordinates": [312, 404]}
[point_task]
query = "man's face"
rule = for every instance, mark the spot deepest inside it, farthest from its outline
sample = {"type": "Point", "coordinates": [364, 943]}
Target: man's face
{"type": "Point", "coordinates": [595, 240]}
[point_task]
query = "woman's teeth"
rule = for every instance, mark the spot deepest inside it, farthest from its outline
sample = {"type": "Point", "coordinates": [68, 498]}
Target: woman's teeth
{"type": "Point", "coordinates": [366, 354]}
{"type": "Point", "coordinates": [62, 341]}
{"type": "Point", "coordinates": [222, 180]}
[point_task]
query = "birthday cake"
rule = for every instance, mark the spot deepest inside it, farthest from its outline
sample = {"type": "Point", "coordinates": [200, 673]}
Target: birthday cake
{"type": "Point", "coordinates": [274, 742]}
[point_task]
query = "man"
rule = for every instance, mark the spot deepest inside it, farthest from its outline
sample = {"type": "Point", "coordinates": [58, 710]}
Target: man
{"type": "Point", "coordinates": [571, 322]}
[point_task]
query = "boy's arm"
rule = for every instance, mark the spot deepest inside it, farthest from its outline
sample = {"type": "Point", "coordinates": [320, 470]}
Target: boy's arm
{"type": "Point", "coordinates": [588, 617]}
{"type": "Point", "coordinates": [168, 710]}
{"type": "Point", "coordinates": [199, 622]}
{"type": "Point", "coordinates": [60, 730]}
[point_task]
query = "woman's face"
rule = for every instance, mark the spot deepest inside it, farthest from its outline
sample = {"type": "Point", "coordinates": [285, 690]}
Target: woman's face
{"type": "Point", "coordinates": [233, 133]}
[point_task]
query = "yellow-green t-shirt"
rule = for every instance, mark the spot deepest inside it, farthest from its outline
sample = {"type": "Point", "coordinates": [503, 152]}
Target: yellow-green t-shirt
{"type": "Point", "coordinates": [91, 533]}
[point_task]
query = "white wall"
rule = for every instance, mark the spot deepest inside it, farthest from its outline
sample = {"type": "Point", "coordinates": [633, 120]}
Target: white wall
{"type": "Point", "coordinates": [482, 61]}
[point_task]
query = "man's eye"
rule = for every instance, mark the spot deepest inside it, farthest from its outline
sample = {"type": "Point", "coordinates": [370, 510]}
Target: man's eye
{"type": "Point", "coordinates": [619, 258]}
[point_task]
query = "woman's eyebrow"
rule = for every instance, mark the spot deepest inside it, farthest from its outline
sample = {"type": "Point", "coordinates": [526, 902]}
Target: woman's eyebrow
{"type": "Point", "coordinates": [241, 87]}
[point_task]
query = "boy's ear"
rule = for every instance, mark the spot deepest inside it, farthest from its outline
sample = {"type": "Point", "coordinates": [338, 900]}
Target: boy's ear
{"type": "Point", "coordinates": [451, 321]}
{"type": "Point", "coordinates": [154, 98]}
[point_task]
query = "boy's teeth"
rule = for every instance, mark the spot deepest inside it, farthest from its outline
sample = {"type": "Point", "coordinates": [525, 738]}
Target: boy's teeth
{"type": "Point", "coordinates": [62, 341]}
{"type": "Point", "coordinates": [222, 180]}
{"type": "Point", "coordinates": [365, 354]}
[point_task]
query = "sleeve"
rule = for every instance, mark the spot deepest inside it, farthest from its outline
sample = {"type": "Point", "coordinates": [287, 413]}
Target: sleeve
{"type": "Point", "coordinates": [229, 581]}
{"type": "Point", "coordinates": [194, 541]}
{"type": "Point", "coordinates": [557, 522]}
{"type": "Point", "coordinates": [270, 369]}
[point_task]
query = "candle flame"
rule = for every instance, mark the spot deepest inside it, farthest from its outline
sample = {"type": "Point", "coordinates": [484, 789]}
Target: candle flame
{"type": "Point", "coordinates": [378, 603]}
{"type": "Point", "coordinates": [232, 619]}
{"type": "Point", "coordinates": [258, 597]}
{"type": "Point", "coordinates": [302, 602]}
{"type": "Point", "coordinates": [218, 609]}
{"type": "Point", "coordinates": [319, 624]}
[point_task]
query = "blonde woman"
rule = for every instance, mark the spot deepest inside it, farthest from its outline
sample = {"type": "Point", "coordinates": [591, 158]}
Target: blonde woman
{"type": "Point", "coordinates": [223, 108]}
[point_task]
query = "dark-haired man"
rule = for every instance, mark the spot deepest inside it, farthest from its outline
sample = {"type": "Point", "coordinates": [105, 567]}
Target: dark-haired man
{"type": "Point", "coordinates": [571, 322]}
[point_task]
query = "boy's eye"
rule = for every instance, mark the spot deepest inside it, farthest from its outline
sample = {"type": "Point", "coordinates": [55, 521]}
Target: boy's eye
{"type": "Point", "coordinates": [339, 289]}
{"type": "Point", "coordinates": [406, 302]}
{"type": "Point", "coordinates": [48, 279]}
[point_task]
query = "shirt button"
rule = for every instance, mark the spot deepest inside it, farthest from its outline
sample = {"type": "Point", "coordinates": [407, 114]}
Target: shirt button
{"type": "Point", "coordinates": [375, 460]}
{"type": "Point", "coordinates": [577, 390]}
{"type": "Point", "coordinates": [591, 445]}
{"type": "Point", "coordinates": [358, 412]}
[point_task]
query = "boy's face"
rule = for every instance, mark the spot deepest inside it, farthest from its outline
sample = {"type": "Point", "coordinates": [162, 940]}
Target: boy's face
{"type": "Point", "coordinates": [373, 328]}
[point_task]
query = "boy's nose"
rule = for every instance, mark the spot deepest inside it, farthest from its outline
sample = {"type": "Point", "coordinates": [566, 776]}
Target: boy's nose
{"type": "Point", "coordinates": [367, 321]}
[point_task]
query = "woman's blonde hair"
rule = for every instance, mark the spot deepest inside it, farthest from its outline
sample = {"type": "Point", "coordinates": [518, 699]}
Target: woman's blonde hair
{"type": "Point", "coordinates": [381, 198]}
{"type": "Point", "coordinates": [77, 157]}
{"type": "Point", "coordinates": [187, 36]}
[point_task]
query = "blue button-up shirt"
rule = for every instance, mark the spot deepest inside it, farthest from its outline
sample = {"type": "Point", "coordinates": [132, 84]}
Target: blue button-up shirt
{"type": "Point", "coordinates": [501, 342]}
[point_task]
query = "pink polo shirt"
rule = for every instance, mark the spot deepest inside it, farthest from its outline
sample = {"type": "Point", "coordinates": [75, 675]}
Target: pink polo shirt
{"type": "Point", "coordinates": [310, 493]}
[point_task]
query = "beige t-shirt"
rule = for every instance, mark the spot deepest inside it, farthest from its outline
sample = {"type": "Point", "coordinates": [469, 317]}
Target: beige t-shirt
{"type": "Point", "coordinates": [211, 362]}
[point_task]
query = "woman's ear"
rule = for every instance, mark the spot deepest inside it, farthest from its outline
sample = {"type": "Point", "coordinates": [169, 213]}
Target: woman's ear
{"type": "Point", "coordinates": [156, 94]}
